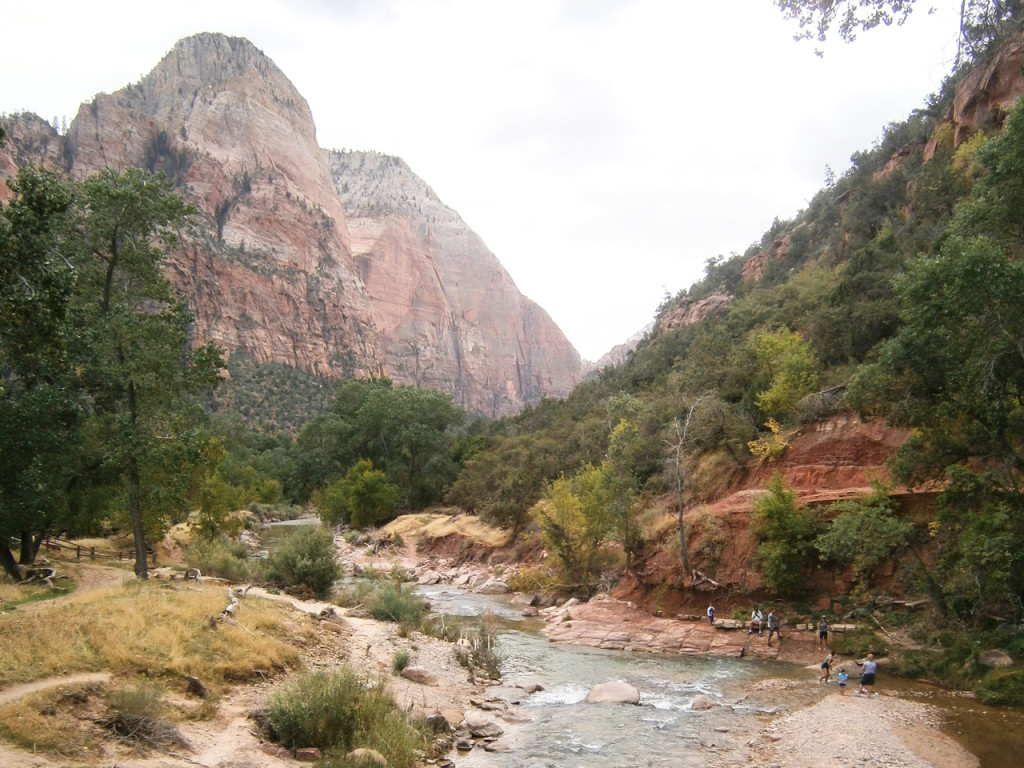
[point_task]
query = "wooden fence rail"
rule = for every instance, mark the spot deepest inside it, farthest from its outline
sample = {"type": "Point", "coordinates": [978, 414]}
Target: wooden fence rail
{"type": "Point", "coordinates": [56, 544]}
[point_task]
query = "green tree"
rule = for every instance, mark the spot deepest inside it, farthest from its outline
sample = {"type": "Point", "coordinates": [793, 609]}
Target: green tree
{"type": "Point", "coordinates": [791, 370]}
{"type": "Point", "coordinates": [863, 534]}
{"type": "Point", "coordinates": [786, 534]}
{"type": "Point", "coordinates": [623, 448]}
{"type": "Point", "coordinates": [136, 357]}
{"type": "Point", "coordinates": [362, 497]}
{"type": "Point", "coordinates": [38, 411]}
{"type": "Point", "coordinates": [407, 432]}
{"type": "Point", "coordinates": [574, 516]}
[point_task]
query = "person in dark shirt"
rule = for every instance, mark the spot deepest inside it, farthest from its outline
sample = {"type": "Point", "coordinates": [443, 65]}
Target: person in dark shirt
{"type": "Point", "coordinates": [773, 626]}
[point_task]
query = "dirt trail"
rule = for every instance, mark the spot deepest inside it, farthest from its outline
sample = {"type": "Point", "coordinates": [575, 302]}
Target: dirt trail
{"type": "Point", "coordinates": [15, 692]}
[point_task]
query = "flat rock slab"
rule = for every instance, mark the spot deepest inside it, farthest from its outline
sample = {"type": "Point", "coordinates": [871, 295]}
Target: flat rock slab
{"type": "Point", "coordinates": [617, 625]}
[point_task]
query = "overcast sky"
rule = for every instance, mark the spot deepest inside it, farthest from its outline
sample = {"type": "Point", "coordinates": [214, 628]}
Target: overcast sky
{"type": "Point", "coordinates": [603, 149]}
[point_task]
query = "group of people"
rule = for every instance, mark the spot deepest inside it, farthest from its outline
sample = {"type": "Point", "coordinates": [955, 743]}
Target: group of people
{"type": "Point", "coordinates": [757, 622]}
{"type": "Point", "coordinates": [869, 665]}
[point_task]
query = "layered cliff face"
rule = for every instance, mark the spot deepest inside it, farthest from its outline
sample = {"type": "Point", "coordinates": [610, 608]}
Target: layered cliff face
{"type": "Point", "coordinates": [273, 276]}
{"type": "Point", "coordinates": [451, 317]}
{"type": "Point", "coordinates": [413, 294]}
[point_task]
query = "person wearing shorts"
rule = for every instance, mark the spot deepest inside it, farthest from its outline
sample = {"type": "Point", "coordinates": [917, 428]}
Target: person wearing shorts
{"type": "Point", "coordinates": [826, 669]}
{"type": "Point", "coordinates": [822, 633]}
{"type": "Point", "coordinates": [843, 677]}
{"type": "Point", "coordinates": [867, 678]}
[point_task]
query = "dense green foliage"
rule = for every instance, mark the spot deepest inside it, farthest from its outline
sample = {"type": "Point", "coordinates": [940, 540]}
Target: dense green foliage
{"type": "Point", "coordinates": [864, 534]}
{"type": "Point", "coordinates": [786, 534]}
{"type": "Point", "coordinates": [406, 432]}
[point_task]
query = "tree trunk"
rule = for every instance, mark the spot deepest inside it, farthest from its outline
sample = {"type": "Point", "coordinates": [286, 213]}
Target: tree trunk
{"type": "Point", "coordinates": [135, 498]}
{"type": "Point", "coordinates": [7, 560]}
{"type": "Point", "coordinates": [135, 508]}
{"type": "Point", "coordinates": [29, 547]}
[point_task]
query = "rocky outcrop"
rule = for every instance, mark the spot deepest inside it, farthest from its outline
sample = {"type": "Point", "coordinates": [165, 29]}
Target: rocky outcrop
{"type": "Point", "coordinates": [690, 311]}
{"type": "Point", "coordinates": [618, 354]}
{"type": "Point", "coordinates": [985, 96]}
{"type": "Point", "coordinates": [29, 140]}
{"type": "Point", "coordinates": [279, 272]}
{"type": "Point", "coordinates": [451, 316]}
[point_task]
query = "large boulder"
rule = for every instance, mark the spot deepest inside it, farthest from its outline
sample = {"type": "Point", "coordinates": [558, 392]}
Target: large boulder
{"type": "Point", "coordinates": [615, 692]}
{"type": "Point", "coordinates": [364, 756]}
{"type": "Point", "coordinates": [996, 658]}
{"type": "Point", "coordinates": [419, 675]}
{"type": "Point", "coordinates": [480, 727]}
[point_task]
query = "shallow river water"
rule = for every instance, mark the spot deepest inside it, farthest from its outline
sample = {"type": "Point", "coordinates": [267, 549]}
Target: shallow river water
{"type": "Point", "coordinates": [664, 731]}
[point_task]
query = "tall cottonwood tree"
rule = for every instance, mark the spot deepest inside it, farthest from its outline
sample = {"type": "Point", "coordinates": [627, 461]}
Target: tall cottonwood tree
{"type": "Point", "coordinates": [137, 362]}
{"type": "Point", "coordinates": [38, 412]}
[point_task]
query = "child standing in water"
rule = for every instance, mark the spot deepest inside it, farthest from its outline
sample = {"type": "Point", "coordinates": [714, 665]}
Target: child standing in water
{"type": "Point", "coordinates": [843, 677]}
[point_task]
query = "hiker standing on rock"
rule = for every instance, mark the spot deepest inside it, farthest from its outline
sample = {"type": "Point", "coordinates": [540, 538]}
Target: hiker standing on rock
{"type": "Point", "coordinates": [711, 615]}
{"type": "Point", "coordinates": [756, 622]}
{"type": "Point", "coordinates": [773, 626]}
{"type": "Point", "coordinates": [822, 633]}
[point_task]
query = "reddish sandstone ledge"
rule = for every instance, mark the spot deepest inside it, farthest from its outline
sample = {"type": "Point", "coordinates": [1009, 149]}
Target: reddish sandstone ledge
{"type": "Point", "coordinates": [605, 622]}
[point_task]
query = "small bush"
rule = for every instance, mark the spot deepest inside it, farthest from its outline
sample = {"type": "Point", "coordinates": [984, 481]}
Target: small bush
{"type": "Point", "coordinates": [478, 652]}
{"type": "Point", "coordinates": [391, 602]}
{"type": "Point", "coordinates": [400, 660]}
{"type": "Point", "coordinates": [1002, 688]}
{"type": "Point", "coordinates": [223, 557]}
{"type": "Point", "coordinates": [306, 558]}
{"type": "Point", "coordinates": [530, 579]}
{"type": "Point", "coordinates": [339, 711]}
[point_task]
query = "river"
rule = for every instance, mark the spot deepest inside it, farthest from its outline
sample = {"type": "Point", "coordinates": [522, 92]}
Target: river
{"type": "Point", "coordinates": [564, 732]}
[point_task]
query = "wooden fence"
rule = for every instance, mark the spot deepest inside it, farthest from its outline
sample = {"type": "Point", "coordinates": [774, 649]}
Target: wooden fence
{"type": "Point", "coordinates": [57, 544]}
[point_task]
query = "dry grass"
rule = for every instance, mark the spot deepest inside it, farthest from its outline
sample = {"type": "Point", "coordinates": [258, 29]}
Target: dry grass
{"type": "Point", "coordinates": [656, 522]}
{"type": "Point", "coordinates": [52, 721]}
{"type": "Point", "coordinates": [437, 525]}
{"type": "Point", "coordinates": [10, 592]}
{"type": "Point", "coordinates": [147, 628]}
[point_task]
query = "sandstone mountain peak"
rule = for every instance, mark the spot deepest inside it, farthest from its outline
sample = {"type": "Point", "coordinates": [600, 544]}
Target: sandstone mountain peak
{"type": "Point", "coordinates": [338, 264]}
{"type": "Point", "coordinates": [452, 316]}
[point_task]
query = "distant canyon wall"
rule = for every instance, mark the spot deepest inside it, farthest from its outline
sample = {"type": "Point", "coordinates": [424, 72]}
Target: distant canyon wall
{"type": "Point", "coordinates": [339, 264]}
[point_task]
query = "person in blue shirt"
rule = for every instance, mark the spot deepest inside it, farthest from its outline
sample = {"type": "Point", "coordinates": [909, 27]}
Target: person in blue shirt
{"type": "Point", "coordinates": [711, 615]}
{"type": "Point", "coordinates": [843, 677]}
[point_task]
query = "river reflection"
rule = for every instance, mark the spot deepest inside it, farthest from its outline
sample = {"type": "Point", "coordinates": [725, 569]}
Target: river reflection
{"type": "Point", "coordinates": [563, 732]}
